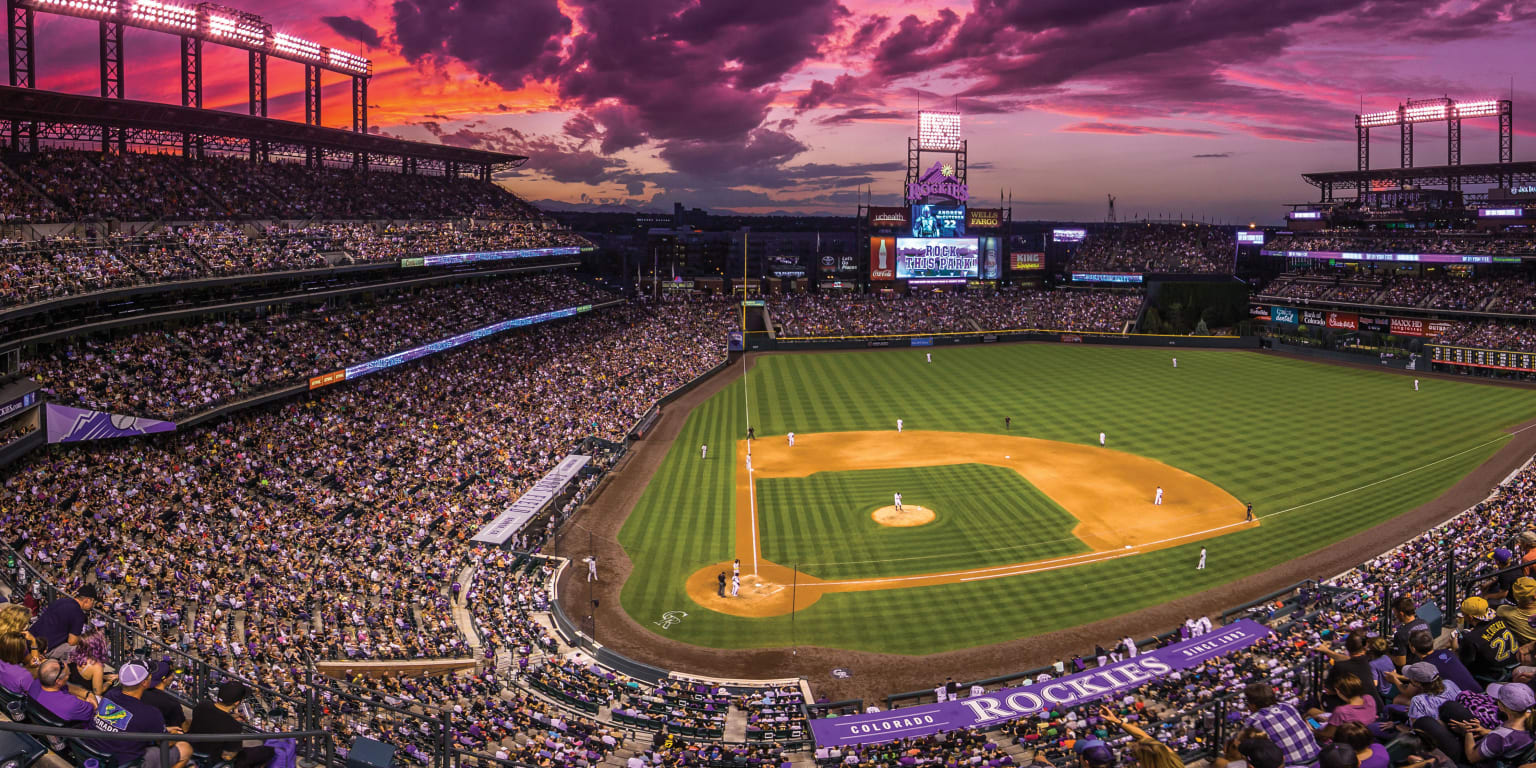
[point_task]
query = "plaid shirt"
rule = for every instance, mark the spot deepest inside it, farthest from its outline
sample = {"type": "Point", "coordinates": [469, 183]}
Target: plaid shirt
{"type": "Point", "coordinates": [1288, 731]}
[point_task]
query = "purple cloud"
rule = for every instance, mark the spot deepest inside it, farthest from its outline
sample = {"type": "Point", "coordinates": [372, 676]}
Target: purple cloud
{"type": "Point", "coordinates": [353, 28]}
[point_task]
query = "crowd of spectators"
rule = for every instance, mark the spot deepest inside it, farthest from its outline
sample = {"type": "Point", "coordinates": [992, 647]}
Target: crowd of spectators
{"type": "Point", "coordinates": [1142, 247]}
{"type": "Point", "coordinates": [837, 315]}
{"type": "Point", "coordinates": [1429, 241]}
{"type": "Point", "coordinates": [70, 185]}
{"type": "Point", "coordinates": [172, 371]}
{"type": "Point", "coordinates": [51, 267]}
{"type": "Point", "coordinates": [320, 530]}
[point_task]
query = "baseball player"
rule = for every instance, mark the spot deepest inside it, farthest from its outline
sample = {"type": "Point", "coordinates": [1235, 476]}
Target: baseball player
{"type": "Point", "coordinates": [1158, 498]}
{"type": "Point", "coordinates": [898, 426]}
{"type": "Point", "coordinates": [735, 585]}
{"type": "Point", "coordinates": [591, 568]}
{"type": "Point", "coordinates": [1249, 517]}
{"type": "Point", "coordinates": [930, 357]}
{"type": "Point", "coordinates": [736, 567]}
{"type": "Point", "coordinates": [720, 579]}
{"type": "Point", "coordinates": [1415, 385]}
{"type": "Point", "coordinates": [898, 502]}
{"type": "Point", "coordinates": [1101, 439]}
{"type": "Point", "coordinates": [749, 462]}
{"type": "Point", "coordinates": [1007, 422]}
{"type": "Point", "coordinates": [1175, 362]}
{"type": "Point", "coordinates": [1201, 566]}
{"type": "Point", "coordinates": [791, 439]}
{"type": "Point", "coordinates": [703, 451]}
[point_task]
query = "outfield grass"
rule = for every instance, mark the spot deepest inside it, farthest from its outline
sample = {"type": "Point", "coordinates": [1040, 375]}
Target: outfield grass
{"type": "Point", "coordinates": [986, 515]}
{"type": "Point", "coordinates": [1321, 451]}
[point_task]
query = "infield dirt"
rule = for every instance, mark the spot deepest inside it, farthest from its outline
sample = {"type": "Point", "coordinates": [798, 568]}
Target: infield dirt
{"type": "Point", "coordinates": [1109, 492]}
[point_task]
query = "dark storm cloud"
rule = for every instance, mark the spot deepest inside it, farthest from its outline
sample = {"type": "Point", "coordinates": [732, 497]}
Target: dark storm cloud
{"type": "Point", "coordinates": [354, 29]}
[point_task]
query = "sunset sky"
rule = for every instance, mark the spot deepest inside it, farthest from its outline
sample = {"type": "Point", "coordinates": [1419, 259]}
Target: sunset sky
{"type": "Point", "coordinates": [1200, 107]}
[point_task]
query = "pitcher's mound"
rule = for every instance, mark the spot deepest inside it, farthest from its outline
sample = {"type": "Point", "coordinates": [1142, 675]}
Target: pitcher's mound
{"type": "Point", "coordinates": [909, 516]}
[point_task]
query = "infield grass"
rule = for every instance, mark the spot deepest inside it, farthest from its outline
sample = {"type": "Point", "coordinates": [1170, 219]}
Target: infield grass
{"type": "Point", "coordinates": [986, 515]}
{"type": "Point", "coordinates": [1321, 451]}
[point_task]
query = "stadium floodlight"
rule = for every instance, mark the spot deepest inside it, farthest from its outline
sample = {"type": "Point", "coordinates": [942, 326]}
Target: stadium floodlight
{"type": "Point", "coordinates": [153, 13]}
{"type": "Point", "coordinates": [248, 31]}
{"type": "Point", "coordinates": [92, 8]}
{"type": "Point", "coordinates": [348, 62]}
{"type": "Point", "coordinates": [1486, 108]}
{"type": "Point", "coordinates": [1377, 119]}
{"type": "Point", "coordinates": [938, 131]}
{"type": "Point", "coordinates": [296, 46]}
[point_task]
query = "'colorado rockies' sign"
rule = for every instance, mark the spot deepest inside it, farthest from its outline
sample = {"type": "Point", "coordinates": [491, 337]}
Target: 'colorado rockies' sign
{"type": "Point", "coordinates": [1011, 703]}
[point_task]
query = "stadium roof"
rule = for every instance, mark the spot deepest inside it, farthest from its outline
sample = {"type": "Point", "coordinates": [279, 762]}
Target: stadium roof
{"type": "Point", "coordinates": [1433, 175]}
{"type": "Point", "coordinates": [58, 113]}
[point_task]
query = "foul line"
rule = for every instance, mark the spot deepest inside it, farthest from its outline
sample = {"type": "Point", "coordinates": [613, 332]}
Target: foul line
{"type": "Point", "coordinates": [752, 502]}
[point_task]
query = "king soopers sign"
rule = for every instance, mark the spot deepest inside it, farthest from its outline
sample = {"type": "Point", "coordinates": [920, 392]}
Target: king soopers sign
{"type": "Point", "coordinates": [1012, 703]}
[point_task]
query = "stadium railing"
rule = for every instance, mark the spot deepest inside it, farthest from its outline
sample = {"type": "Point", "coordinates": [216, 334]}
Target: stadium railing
{"type": "Point", "coordinates": [160, 741]}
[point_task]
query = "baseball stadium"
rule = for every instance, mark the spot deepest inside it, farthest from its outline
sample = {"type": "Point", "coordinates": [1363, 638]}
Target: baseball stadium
{"type": "Point", "coordinates": [339, 445]}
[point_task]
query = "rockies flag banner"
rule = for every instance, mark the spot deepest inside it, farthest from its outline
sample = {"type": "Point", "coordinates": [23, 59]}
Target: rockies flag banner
{"type": "Point", "coordinates": [73, 425]}
{"type": "Point", "coordinates": [1012, 703]}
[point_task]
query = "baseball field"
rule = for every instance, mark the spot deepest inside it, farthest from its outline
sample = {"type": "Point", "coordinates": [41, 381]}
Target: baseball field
{"type": "Point", "coordinates": [1008, 531]}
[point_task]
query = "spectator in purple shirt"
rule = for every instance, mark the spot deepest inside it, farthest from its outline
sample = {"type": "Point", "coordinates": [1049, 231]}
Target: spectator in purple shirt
{"type": "Point", "coordinates": [55, 697]}
{"type": "Point", "coordinates": [61, 623]}
{"type": "Point", "coordinates": [15, 676]}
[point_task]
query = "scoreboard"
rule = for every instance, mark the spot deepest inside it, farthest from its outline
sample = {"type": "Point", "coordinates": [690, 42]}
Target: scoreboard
{"type": "Point", "coordinates": [1482, 358]}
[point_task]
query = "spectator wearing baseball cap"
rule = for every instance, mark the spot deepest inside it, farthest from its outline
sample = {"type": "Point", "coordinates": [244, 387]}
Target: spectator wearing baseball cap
{"type": "Point", "coordinates": [1486, 646]}
{"type": "Point", "coordinates": [1497, 588]}
{"type": "Point", "coordinates": [155, 695]}
{"type": "Point", "coordinates": [1477, 743]}
{"type": "Point", "coordinates": [1427, 689]}
{"type": "Point", "coordinates": [1261, 753]}
{"type": "Point", "coordinates": [122, 710]}
{"type": "Point", "coordinates": [1094, 753]}
{"type": "Point", "coordinates": [1282, 723]}
{"type": "Point", "coordinates": [1522, 608]}
{"type": "Point", "coordinates": [218, 717]}
{"type": "Point", "coordinates": [63, 621]}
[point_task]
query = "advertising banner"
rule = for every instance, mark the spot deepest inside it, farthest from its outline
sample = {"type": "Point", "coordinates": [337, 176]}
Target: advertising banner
{"type": "Point", "coordinates": [1068, 235]}
{"type": "Point", "coordinates": [1404, 326]}
{"type": "Point", "coordinates": [736, 341]}
{"type": "Point", "coordinates": [1378, 324]}
{"type": "Point", "coordinates": [1259, 312]}
{"type": "Point", "coordinates": [937, 257]}
{"type": "Point", "coordinates": [882, 258]}
{"type": "Point", "coordinates": [1022, 261]}
{"type": "Point", "coordinates": [1438, 327]}
{"type": "Point", "coordinates": [1250, 237]}
{"type": "Point", "coordinates": [1347, 321]}
{"type": "Point", "coordinates": [17, 405]}
{"type": "Point", "coordinates": [984, 218]}
{"type": "Point", "coordinates": [515, 516]}
{"type": "Point", "coordinates": [922, 341]}
{"type": "Point", "coordinates": [1008, 704]}
{"type": "Point", "coordinates": [1106, 277]}
{"type": "Point", "coordinates": [1313, 317]}
{"type": "Point", "coordinates": [73, 425]}
{"type": "Point", "coordinates": [938, 181]}
{"type": "Point", "coordinates": [991, 258]}
{"type": "Point", "coordinates": [938, 221]}
{"type": "Point", "coordinates": [327, 379]}
{"type": "Point", "coordinates": [888, 218]}
{"type": "Point", "coordinates": [1285, 315]}
{"type": "Point", "coordinates": [466, 258]}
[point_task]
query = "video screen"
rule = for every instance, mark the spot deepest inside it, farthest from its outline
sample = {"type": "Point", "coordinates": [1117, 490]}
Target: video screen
{"type": "Point", "coordinates": [938, 221]}
{"type": "Point", "coordinates": [1068, 235]}
{"type": "Point", "coordinates": [937, 257]}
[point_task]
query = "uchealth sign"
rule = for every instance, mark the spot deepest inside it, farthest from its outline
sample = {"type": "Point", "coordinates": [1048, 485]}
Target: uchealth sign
{"type": "Point", "coordinates": [1008, 704]}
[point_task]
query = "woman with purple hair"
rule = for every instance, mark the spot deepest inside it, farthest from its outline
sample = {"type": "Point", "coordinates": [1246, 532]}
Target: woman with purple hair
{"type": "Point", "coordinates": [88, 665]}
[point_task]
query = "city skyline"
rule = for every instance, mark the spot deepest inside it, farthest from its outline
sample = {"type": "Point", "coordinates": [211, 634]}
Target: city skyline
{"type": "Point", "coordinates": [1203, 109]}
